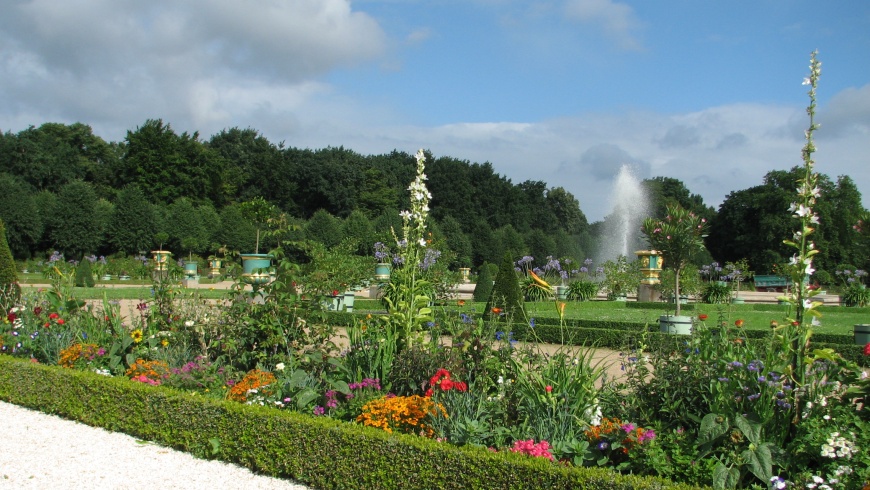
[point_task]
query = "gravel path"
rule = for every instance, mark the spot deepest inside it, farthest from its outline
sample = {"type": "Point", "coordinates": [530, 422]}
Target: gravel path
{"type": "Point", "coordinates": [40, 451]}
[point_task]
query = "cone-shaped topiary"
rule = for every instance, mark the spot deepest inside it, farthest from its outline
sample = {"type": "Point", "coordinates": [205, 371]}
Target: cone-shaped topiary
{"type": "Point", "coordinates": [8, 274]}
{"type": "Point", "coordinates": [506, 300]}
{"type": "Point", "coordinates": [84, 274]}
{"type": "Point", "coordinates": [483, 288]}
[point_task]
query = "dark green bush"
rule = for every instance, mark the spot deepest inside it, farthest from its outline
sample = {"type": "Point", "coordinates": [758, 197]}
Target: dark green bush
{"type": "Point", "coordinates": [506, 294]}
{"type": "Point", "coordinates": [318, 451]}
{"type": "Point", "coordinates": [716, 292]}
{"type": "Point", "coordinates": [84, 274]}
{"type": "Point", "coordinates": [583, 290]}
{"type": "Point", "coordinates": [8, 273]}
{"type": "Point", "coordinates": [483, 288]}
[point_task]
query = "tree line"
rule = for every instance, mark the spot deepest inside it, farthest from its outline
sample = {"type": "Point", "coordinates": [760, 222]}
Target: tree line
{"type": "Point", "coordinates": [64, 188]}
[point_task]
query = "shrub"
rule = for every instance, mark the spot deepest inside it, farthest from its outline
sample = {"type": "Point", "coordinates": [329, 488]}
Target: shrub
{"type": "Point", "coordinates": [483, 288]}
{"type": "Point", "coordinates": [506, 299]}
{"type": "Point", "coordinates": [716, 292]}
{"type": "Point", "coordinates": [84, 274]}
{"type": "Point", "coordinates": [8, 274]}
{"type": "Point", "coordinates": [583, 290]}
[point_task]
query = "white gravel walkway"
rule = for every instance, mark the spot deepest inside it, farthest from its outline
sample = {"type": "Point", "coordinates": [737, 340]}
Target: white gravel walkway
{"type": "Point", "coordinates": [42, 451]}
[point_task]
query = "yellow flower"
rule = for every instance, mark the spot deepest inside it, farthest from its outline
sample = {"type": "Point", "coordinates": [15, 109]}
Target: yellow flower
{"type": "Point", "coordinates": [164, 342]}
{"type": "Point", "coordinates": [136, 335]}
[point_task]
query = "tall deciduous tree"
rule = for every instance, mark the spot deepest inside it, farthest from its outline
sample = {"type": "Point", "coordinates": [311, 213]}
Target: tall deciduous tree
{"type": "Point", "coordinates": [132, 224]}
{"type": "Point", "coordinates": [23, 221]}
{"type": "Point", "coordinates": [75, 227]}
{"type": "Point", "coordinates": [168, 166]}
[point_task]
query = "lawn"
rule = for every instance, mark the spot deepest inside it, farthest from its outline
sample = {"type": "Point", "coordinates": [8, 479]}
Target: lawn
{"type": "Point", "coordinates": [834, 319]}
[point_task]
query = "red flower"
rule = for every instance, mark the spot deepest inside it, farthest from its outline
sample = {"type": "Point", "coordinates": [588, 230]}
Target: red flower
{"type": "Point", "coordinates": [429, 393]}
{"type": "Point", "coordinates": [37, 310]}
{"type": "Point", "coordinates": [702, 317]}
{"type": "Point", "coordinates": [446, 384]}
{"type": "Point", "coordinates": [53, 316]}
{"type": "Point", "coordinates": [496, 311]}
{"type": "Point", "coordinates": [11, 317]}
{"type": "Point", "coordinates": [460, 386]}
{"type": "Point", "coordinates": [739, 323]}
{"type": "Point", "coordinates": [335, 292]}
{"type": "Point", "coordinates": [549, 389]}
{"type": "Point", "coordinates": [867, 349]}
{"type": "Point", "coordinates": [60, 321]}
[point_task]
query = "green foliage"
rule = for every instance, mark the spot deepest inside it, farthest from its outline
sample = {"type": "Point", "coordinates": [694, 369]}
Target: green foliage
{"type": "Point", "coordinates": [18, 210]}
{"type": "Point", "coordinates": [716, 292]}
{"type": "Point", "coordinates": [678, 237]}
{"type": "Point", "coordinates": [506, 294]}
{"type": "Point", "coordinates": [483, 287]}
{"type": "Point", "coordinates": [856, 295]}
{"type": "Point", "coordinates": [84, 274]}
{"type": "Point", "coordinates": [621, 277]}
{"type": "Point", "coordinates": [8, 272]}
{"type": "Point", "coordinates": [131, 226]}
{"type": "Point", "coordinates": [324, 228]}
{"type": "Point", "coordinates": [319, 452]}
{"type": "Point", "coordinates": [75, 227]}
{"type": "Point", "coordinates": [583, 290]}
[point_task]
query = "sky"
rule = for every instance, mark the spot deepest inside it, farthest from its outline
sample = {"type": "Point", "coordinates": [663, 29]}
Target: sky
{"type": "Point", "coordinates": [561, 91]}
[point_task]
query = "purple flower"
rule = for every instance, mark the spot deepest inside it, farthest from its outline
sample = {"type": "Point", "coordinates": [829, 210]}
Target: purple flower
{"type": "Point", "coordinates": [318, 410]}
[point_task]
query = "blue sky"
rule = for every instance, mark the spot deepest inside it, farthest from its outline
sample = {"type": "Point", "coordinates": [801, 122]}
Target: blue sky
{"type": "Point", "coordinates": [563, 91]}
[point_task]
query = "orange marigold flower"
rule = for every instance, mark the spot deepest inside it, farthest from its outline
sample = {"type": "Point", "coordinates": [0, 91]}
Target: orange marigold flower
{"type": "Point", "coordinates": [702, 316]}
{"type": "Point", "coordinates": [253, 380]}
{"type": "Point", "coordinates": [739, 323]}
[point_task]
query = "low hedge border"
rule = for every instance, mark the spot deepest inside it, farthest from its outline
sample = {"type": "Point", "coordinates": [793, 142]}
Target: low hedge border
{"type": "Point", "coordinates": [320, 452]}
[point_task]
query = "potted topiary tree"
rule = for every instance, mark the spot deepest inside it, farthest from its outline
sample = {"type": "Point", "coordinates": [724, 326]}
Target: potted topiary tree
{"type": "Point", "coordinates": [256, 266]}
{"type": "Point", "coordinates": [678, 237]}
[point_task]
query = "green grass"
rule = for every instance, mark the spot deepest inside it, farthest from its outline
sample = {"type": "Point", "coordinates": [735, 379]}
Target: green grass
{"type": "Point", "coordinates": [134, 292]}
{"type": "Point", "coordinates": [834, 319]}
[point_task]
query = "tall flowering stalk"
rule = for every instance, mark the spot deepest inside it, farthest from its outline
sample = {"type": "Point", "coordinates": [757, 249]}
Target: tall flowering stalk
{"type": "Point", "coordinates": [407, 301]}
{"type": "Point", "coordinates": [795, 335]}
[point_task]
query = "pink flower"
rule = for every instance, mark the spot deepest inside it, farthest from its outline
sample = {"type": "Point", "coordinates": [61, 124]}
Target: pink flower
{"type": "Point", "coordinates": [540, 450]}
{"type": "Point", "coordinates": [549, 389]}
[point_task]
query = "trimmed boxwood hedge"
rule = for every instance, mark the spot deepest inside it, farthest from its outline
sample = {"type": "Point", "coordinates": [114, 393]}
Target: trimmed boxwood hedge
{"type": "Point", "coordinates": [317, 451]}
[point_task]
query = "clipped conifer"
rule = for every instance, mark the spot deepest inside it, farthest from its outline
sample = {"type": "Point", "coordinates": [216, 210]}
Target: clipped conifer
{"type": "Point", "coordinates": [483, 288]}
{"type": "Point", "coordinates": [506, 299]}
{"type": "Point", "coordinates": [84, 274]}
{"type": "Point", "coordinates": [8, 275]}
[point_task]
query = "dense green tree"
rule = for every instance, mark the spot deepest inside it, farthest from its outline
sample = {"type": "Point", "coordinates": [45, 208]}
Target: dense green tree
{"type": "Point", "coordinates": [327, 179]}
{"type": "Point", "coordinates": [324, 228]}
{"type": "Point", "coordinates": [19, 211]}
{"type": "Point", "coordinates": [103, 211]}
{"type": "Point", "coordinates": [75, 226]}
{"type": "Point", "coordinates": [358, 229]}
{"type": "Point", "coordinates": [168, 166]}
{"type": "Point", "coordinates": [458, 242]}
{"type": "Point", "coordinates": [255, 167]}
{"type": "Point", "coordinates": [54, 154]}
{"type": "Point", "coordinates": [132, 224]}
{"type": "Point", "coordinates": [508, 240]}
{"type": "Point", "coordinates": [540, 245]}
{"type": "Point", "coordinates": [236, 232]}
{"type": "Point", "coordinates": [566, 210]}
{"type": "Point", "coordinates": [664, 191]}
{"type": "Point", "coordinates": [187, 233]}
{"type": "Point", "coordinates": [376, 194]}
